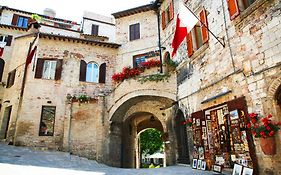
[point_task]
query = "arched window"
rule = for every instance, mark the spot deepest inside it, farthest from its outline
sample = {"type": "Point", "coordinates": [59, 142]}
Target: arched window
{"type": "Point", "coordinates": [92, 73]}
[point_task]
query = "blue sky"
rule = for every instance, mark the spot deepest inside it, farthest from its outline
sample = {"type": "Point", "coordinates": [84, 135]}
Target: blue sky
{"type": "Point", "coordinates": [73, 10]}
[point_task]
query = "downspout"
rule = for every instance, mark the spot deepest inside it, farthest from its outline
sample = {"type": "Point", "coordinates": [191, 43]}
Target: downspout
{"type": "Point", "coordinates": [159, 37]}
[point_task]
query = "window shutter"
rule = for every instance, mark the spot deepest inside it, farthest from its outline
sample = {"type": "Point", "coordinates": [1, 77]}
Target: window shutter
{"type": "Point", "coordinates": [102, 73]}
{"type": "Point", "coordinates": [137, 31]}
{"type": "Point", "coordinates": [9, 40]}
{"type": "Point", "coordinates": [189, 45]}
{"type": "Point", "coordinates": [233, 8]}
{"type": "Point", "coordinates": [2, 65]}
{"type": "Point", "coordinates": [131, 32]}
{"type": "Point", "coordinates": [58, 69]}
{"type": "Point", "coordinates": [163, 20]}
{"type": "Point", "coordinates": [171, 9]}
{"type": "Point", "coordinates": [83, 69]}
{"type": "Point", "coordinates": [39, 68]}
{"type": "Point", "coordinates": [15, 19]}
{"type": "Point", "coordinates": [204, 30]}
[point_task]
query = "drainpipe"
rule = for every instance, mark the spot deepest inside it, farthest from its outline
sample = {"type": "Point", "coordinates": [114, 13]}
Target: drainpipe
{"type": "Point", "coordinates": [159, 37]}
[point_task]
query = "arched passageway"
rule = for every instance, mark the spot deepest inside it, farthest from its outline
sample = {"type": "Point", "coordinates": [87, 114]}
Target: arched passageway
{"type": "Point", "coordinates": [133, 116]}
{"type": "Point", "coordinates": [182, 142]}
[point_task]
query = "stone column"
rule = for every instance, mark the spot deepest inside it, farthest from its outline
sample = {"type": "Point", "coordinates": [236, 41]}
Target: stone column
{"type": "Point", "coordinates": [67, 127]}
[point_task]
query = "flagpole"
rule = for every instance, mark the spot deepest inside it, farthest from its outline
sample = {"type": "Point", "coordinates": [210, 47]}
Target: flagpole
{"type": "Point", "coordinates": [223, 44]}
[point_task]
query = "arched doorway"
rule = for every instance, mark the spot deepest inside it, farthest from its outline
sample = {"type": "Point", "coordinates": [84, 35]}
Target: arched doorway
{"type": "Point", "coordinates": [182, 140]}
{"type": "Point", "coordinates": [129, 119]}
{"type": "Point", "coordinates": [132, 127]}
{"type": "Point", "coordinates": [151, 148]}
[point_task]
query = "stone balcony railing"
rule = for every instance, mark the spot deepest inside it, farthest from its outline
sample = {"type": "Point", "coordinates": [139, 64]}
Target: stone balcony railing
{"type": "Point", "coordinates": [133, 87]}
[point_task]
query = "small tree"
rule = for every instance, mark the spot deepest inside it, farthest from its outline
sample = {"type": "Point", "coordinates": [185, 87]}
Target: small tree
{"type": "Point", "coordinates": [151, 142]}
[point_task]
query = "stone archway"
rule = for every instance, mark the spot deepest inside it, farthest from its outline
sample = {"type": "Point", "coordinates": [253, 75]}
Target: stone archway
{"type": "Point", "coordinates": [132, 126]}
{"type": "Point", "coordinates": [274, 97]}
{"type": "Point", "coordinates": [130, 118]}
{"type": "Point", "coordinates": [182, 141]}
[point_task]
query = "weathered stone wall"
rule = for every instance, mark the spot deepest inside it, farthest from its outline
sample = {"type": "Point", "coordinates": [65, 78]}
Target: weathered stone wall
{"type": "Point", "coordinates": [7, 56]}
{"type": "Point", "coordinates": [253, 42]}
{"type": "Point", "coordinates": [12, 94]}
{"type": "Point", "coordinates": [42, 92]}
{"type": "Point", "coordinates": [148, 37]}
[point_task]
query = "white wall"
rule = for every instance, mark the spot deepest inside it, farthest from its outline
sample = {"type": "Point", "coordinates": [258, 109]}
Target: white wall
{"type": "Point", "coordinates": [57, 31]}
{"type": "Point", "coordinates": [106, 26]}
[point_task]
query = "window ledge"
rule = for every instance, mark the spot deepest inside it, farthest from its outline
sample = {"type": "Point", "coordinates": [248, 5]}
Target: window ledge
{"type": "Point", "coordinates": [200, 51]}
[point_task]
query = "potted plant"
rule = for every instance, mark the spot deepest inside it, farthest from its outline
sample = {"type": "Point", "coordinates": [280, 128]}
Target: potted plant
{"type": "Point", "coordinates": [265, 129]}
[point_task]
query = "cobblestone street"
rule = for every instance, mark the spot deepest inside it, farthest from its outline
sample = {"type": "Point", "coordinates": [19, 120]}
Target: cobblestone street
{"type": "Point", "coordinates": [26, 161]}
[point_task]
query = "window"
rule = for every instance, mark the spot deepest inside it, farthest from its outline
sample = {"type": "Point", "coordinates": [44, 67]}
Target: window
{"type": "Point", "coordinates": [167, 15]}
{"type": "Point", "coordinates": [138, 60]}
{"type": "Point", "coordinates": [48, 69]}
{"type": "Point", "coordinates": [20, 21]}
{"type": "Point", "coordinates": [134, 31]}
{"type": "Point", "coordinates": [6, 40]}
{"type": "Point", "coordinates": [11, 78]}
{"type": "Point", "coordinates": [141, 58]}
{"type": "Point", "coordinates": [2, 65]}
{"type": "Point", "coordinates": [92, 72]}
{"type": "Point", "coordinates": [237, 6]}
{"type": "Point", "coordinates": [47, 121]}
{"type": "Point", "coordinates": [199, 35]}
{"type": "Point", "coordinates": [95, 29]}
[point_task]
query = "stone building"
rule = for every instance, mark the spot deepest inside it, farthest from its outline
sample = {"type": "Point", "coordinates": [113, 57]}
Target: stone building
{"type": "Point", "coordinates": [66, 99]}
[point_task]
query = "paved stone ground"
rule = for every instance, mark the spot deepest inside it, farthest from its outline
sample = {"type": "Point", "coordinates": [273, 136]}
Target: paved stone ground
{"type": "Point", "coordinates": [27, 161]}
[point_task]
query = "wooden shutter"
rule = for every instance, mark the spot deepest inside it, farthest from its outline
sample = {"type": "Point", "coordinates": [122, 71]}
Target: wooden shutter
{"type": "Point", "coordinates": [131, 32]}
{"type": "Point", "coordinates": [233, 8]}
{"type": "Point", "coordinates": [137, 31]}
{"type": "Point", "coordinates": [39, 68]}
{"type": "Point", "coordinates": [9, 40]}
{"type": "Point", "coordinates": [15, 19]}
{"type": "Point", "coordinates": [102, 73]}
{"type": "Point", "coordinates": [2, 65]}
{"type": "Point", "coordinates": [83, 69]}
{"type": "Point", "coordinates": [163, 20]}
{"type": "Point", "coordinates": [171, 9]}
{"type": "Point", "coordinates": [58, 69]}
{"type": "Point", "coordinates": [204, 30]}
{"type": "Point", "coordinates": [189, 45]}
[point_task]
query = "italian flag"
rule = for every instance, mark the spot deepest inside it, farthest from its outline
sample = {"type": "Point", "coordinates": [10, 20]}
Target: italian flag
{"type": "Point", "coordinates": [186, 20]}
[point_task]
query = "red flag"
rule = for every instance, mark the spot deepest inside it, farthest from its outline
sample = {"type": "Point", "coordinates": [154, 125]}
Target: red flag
{"type": "Point", "coordinates": [179, 36]}
{"type": "Point", "coordinates": [30, 56]}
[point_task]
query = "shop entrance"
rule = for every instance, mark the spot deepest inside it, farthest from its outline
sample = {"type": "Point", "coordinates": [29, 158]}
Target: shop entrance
{"type": "Point", "coordinates": [182, 142]}
{"type": "Point", "coordinates": [221, 137]}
